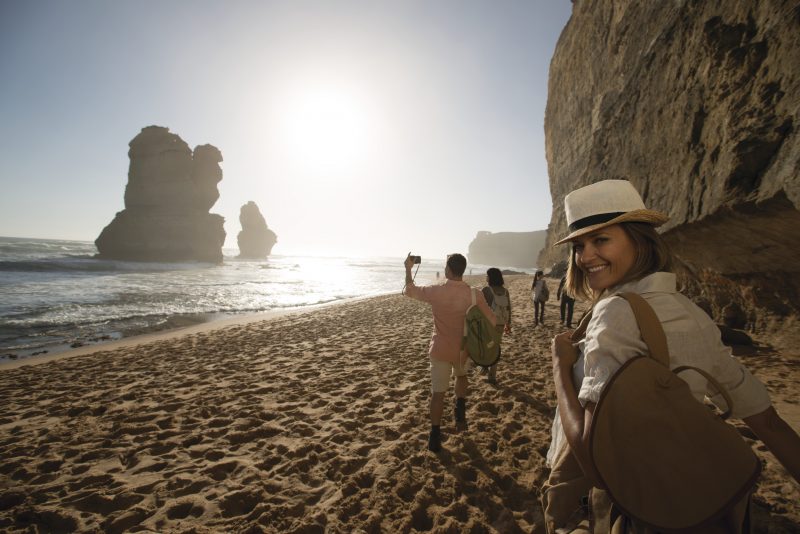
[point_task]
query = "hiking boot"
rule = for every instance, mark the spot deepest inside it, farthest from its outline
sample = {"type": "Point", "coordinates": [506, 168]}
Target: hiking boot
{"type": "Point", "coordinates": [435, 440]}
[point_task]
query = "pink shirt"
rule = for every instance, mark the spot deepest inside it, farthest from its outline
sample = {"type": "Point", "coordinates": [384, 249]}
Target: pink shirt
{"type": "Point", "coordinates": [449, 302]}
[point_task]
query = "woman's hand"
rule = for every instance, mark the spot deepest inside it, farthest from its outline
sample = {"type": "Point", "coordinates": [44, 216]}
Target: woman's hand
{"type": "Point", "coordinates": [563, 351]}
{"type": "Point", "coordinates": [507, 328]}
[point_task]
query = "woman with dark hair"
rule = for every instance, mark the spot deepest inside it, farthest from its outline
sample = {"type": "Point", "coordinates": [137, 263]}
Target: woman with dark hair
{"type": "Point", "coordinates": [616, 249]}
{"type": "Point", "coordinates": [499, 300]}
{"type": "Point", "coordinates": [539, 294]}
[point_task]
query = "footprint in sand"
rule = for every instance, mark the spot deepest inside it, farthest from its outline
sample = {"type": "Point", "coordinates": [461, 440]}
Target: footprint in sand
{"type": "Point", "coordinates": [219, 422]}
{"type": "Point", "coordinates": [47, 520]}
{"type": "Point", "coordinates": [182, 510]}
{"type": "Point", "coordinates": [10, 499]}
{"type": "Point", "coordinates": [163, 448]}
{"type": "Point", "coordinates": [511, 429]}
{"type": "Point", "coordinates": [154, 467]}
{"type": "Point", "coordinates": [117, 524]}
{"type": "Point", "coordinates": [421, 519]}
{"type": "Point", "coordinates": [214, 455]}
{"type": "Point", "coordinates": [101, 504]}
{"type": "Point", "coordinates": [239, 503]}
{"type": "Point", "coordinates": [467, 474]}
{"type": "Point", "coordinates": [191, 441]}
{"type": "Point", "coordinates": [184, 487]}
{"type": "Point", "coordinates": [222, 471]}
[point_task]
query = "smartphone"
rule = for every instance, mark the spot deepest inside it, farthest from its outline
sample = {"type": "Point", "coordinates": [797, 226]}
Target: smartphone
{"type": "Point", "coordinates": [417, 259]}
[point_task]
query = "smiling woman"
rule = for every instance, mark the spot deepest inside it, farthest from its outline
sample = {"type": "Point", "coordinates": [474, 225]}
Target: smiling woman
{"type": "Point", "coordinates": [327, 128]}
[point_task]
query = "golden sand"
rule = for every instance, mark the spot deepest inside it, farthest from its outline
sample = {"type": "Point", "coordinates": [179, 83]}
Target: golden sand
{"type": "Point", "coordinates": [308, 422]}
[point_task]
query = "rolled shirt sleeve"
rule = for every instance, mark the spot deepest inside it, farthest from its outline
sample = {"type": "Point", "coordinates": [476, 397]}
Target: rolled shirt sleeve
{"type": "Point", "coordinates": [612, 338]}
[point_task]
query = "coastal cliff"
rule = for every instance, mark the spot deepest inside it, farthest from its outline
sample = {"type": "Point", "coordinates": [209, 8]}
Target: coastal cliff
{"type": "Point", "coordinates": [167, 201]}
{"type": "Point", "coordinates": [698, 105]}
{"type": "Point", "coordinates": [507, 249]}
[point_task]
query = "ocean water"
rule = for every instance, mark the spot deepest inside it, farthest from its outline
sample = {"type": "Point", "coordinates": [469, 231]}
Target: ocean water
{"type": "Point", "coordinates": [55, 295]}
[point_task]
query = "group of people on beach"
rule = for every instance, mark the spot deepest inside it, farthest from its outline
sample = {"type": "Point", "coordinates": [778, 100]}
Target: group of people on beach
{"type": "Point", "coordinates": [616, 256]}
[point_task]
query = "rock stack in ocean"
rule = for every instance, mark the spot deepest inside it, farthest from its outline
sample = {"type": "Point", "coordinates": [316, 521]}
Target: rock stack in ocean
{"type": "Point", "coordinates": [698, 105]}
{"type": "Point", "coordinates": [167, 201]}
{"type": "Point", "coordinates": [507, 249]}
{"type": "Point", "coordinates": [256, 239]}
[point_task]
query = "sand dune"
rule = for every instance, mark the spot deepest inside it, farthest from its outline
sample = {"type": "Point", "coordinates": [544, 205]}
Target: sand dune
{"type": "Point", "coordinates": [312, 422]}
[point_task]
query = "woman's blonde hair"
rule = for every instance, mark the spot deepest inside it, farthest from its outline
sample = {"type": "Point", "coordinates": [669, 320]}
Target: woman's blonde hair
{"type": "Point", "coordinates": [652, 255]}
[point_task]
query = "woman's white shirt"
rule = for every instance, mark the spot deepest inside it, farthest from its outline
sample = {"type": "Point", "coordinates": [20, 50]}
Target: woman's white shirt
{"type": "Point", "coordinates": [612, 338]}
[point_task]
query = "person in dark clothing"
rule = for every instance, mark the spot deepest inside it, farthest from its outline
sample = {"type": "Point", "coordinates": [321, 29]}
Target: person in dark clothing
{"type": "Point", "coordinates": [567, 303]}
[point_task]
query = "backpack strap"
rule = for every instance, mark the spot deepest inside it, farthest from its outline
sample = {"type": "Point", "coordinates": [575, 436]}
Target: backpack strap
{"type": "Point", "coordinates": [580, 332]}
{"type": "Point", "coordinates": [656, 341]}
{"type": "Point", "coordinates": [713, 381]}
{"type": "Point", "coordinates": [472, 291]}
{"type": "Point", "coordinates": [650, 327]}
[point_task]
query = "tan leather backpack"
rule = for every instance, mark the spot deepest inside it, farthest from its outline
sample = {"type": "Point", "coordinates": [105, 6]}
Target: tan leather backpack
{"type": "Point", "coordinates": [665, 459]}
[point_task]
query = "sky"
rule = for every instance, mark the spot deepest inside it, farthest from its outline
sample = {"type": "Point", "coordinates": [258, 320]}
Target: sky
{"type": "Point", "coordinates": [360, 128]}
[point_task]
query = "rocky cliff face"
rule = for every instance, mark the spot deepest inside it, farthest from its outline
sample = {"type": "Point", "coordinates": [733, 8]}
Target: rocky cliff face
{"type": "Point", "coordinates": [256, 239]}
{"type": "Point", "coordinates": [698, 105]}
{"type": "Point", "coordinates": [507, 249]}
{"type": "Point", "coordinates": [167, 201]}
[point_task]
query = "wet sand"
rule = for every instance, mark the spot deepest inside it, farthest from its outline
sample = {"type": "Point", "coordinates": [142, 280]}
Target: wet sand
{"type": "Point", "coordinates": [308, 422]}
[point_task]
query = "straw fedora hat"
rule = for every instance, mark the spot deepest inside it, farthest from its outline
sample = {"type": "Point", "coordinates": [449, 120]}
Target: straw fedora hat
{"type": "Point", "coordinates": [605, 203]}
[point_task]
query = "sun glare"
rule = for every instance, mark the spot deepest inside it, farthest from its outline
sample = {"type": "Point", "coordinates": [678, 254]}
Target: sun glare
{"type": "Point", "coordinates": [327, 129]}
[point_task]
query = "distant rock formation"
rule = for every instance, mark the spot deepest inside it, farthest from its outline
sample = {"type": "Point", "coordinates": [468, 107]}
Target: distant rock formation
{"type": "Point", "coordinates": [698, 105]}
{"type": "Point", "coordinates": [167, 201]}
{"type": "Point", "coordinates": [507, 249]}
{"type": "Point", "coordinates": [256, 239]}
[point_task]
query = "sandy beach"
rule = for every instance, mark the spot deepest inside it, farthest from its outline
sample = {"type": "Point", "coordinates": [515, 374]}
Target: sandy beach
{"type": "Point", "coordinates": [308, 422]}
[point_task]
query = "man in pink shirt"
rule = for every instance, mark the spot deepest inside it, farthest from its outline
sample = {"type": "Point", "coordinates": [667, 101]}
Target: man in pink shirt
{"type": "Point", "coordinates": [449, 302]}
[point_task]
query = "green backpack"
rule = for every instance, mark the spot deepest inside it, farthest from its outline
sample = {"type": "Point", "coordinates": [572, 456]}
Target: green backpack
{"type": "Point", "coordinates": [481, 340]}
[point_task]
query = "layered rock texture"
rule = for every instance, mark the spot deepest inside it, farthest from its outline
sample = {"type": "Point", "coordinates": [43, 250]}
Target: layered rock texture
{"type": "Point", "coordinates": [507, 249]}
{"type": "Point", "coordinates": [167, 201]}
{"type": "Point", "coordinates": [698, 105]}
{"type": "Point", "coordinates": [256, 239]}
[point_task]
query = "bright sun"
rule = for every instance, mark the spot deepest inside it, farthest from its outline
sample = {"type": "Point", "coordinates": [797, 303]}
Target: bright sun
{"type": "Point", "coordinates": [327, 129]}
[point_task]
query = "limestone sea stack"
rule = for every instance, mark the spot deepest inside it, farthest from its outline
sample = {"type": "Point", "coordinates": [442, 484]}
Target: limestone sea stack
{"type": "Point", "coordinates": [167, 201]}
{"type": "Point", "coordinates": [256, 239]}
{"type": "Point", "coordinates": [507, 249]}
{"type": "Point", "coordinates": [698, 105]}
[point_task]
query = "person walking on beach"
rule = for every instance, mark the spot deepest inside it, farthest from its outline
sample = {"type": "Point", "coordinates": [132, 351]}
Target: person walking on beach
{"type": "Point", "coordinates": [499, 299]}
{"type": "Point", "coordinates": [616, 250]}
{"type": "Point", "coordinates": [449, 303]}
{"type": "Point", "coordinates": [567, 303]}
{"type": "Point", "coordinates": [539, 294]}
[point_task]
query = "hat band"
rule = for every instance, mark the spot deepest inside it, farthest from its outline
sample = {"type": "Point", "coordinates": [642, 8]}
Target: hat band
{"type": "Point", "coordinates": [591, 220]}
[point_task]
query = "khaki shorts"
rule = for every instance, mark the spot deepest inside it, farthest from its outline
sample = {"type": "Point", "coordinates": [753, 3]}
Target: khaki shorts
{"type": "Point", "coordinates": [441, 371]}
